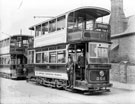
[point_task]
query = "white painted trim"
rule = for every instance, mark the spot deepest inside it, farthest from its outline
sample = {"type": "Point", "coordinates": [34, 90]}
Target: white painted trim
{"type": "Point", "coordinates": [51, 75]}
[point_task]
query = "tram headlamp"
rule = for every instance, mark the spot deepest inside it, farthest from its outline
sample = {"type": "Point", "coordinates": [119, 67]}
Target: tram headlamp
{"type": "Point", "coordinates": [101, 73]}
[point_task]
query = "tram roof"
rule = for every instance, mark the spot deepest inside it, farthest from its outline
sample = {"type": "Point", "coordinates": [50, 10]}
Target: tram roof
{"type": "Point", "coordinates": [17, 36]}
{"type": "Point", "coordinates": [96, 12]}
{"type": "Point", "coordinates": [23, 35]}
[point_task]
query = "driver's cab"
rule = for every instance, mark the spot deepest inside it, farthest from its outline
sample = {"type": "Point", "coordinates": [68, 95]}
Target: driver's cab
{"type": "Point", "coordinates": [76, 51]}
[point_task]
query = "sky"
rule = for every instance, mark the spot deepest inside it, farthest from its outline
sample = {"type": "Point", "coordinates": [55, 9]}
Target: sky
{"type": "Point", "coordinates": [17, 15]}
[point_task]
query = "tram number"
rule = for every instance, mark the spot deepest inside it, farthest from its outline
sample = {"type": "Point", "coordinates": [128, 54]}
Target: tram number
{"type": "Point", "coordinates": [100, 78]}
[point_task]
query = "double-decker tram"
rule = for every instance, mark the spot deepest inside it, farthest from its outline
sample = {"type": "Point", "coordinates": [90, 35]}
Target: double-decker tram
{"type": "Point", "coordinates": [13, 56]}
{"type": "Point", "coordinates": [77, 34]}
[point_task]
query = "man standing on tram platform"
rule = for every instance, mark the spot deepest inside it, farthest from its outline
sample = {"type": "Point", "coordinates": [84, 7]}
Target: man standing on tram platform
{"type": "Point", "coordinates": [70, 70]}
{"type": "Point", "coordinates": [81, 65]}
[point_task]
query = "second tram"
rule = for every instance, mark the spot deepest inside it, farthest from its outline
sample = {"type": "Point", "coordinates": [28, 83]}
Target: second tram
{"type": "Point", "coordinates": [13, 56]}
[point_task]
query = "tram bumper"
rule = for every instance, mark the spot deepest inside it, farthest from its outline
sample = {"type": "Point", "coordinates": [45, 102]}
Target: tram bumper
{"type": "Point", "coordinates": [100, 85]}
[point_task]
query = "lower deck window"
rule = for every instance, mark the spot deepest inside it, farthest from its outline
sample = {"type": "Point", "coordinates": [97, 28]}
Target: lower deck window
{"type": "Point", "coordinates": [52, 57]}
{"type": "Point", "coordinates": [45, 58]}
{"type": "Point", "coordinates": [38, 57]}
{"type": "Point", "coordinates": [61, 57]}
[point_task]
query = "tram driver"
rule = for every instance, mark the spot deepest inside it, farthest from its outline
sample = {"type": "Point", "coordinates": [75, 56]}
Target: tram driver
{"type": "Point", "coordinates": [70, 70]}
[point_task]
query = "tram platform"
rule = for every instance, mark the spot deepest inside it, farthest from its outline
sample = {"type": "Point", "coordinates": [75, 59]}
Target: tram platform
{"type": "Point", "coordinates": [124, 86]}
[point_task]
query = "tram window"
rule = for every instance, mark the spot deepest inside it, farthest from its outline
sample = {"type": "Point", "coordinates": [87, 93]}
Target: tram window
{"type": "Point", "coordinates": [89, 25]}
{"type": "Point", "coordinates": [7, 42]}
{"type": "Point", "coordinates": [0, 60]}
{"type": "Point", "coordinates": [61, 23]}
{"type": "Point", "coordinates": [13, 61]}
{"type": "Point", "coordinates": [8, 60]}
{"type": "Point", "coordinates": [52, 57]}
{"type": "Point", "coordinates": [76, 22]}
{"type": "Point", "coordinates": [38, 30]}
{"type": "Point", "coordinates": [4, 43]}
{"type": "Point", "coordinates": [19, 44]}
{"type": "Point", "coordinates": [38, 57]}
{"type": "Point", "coordinates": [31, 57]}
{"type": "Point", "coordinates": [71, 22]}
{"type": "Point", "coordinates": [92, 50]}
{"type": "Point", "coordinates": [52, 26]}
{"type": "Point", "coordinates": [45, 57]}
{"type": "Point", "coordinates": [25, 42]}
{"type": "Point", "coordinates": [18, 61]}
{"type": "Point", "coordinates": [102, 52]}
{"type": "Point", "coordinates": [44, 28]}
{"type": "Point", "coordinates": [61, 55]}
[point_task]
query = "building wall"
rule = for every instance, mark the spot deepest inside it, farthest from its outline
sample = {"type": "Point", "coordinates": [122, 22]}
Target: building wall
{"type": "Point", "coordinates": [124, 73]}
{"type": "Point", "coordinates": [126, 47]}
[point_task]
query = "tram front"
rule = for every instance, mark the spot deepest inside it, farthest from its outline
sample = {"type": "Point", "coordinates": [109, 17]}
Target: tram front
{"type": "Point", "coordinates": [97, 73]}
{"type": "Point", "coordinates": [85, 34]}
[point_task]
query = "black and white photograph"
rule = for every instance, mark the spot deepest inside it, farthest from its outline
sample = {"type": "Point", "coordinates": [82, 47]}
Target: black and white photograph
{"type": "Point", "coordinates": [67, 52]}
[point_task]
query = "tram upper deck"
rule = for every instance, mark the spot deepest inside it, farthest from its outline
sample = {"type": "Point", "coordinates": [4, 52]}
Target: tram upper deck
{"type": "Point", "coordinates": [15, 44]}
{"type": "Point", "coordinates": [76, 25]}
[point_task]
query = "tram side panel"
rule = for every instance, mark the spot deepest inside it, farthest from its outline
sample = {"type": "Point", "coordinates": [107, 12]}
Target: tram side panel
{"type": "Point", "coordinates": [51, 71]}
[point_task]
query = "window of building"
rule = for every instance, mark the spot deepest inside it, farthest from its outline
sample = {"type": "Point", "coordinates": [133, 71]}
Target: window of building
{"type": "Point", "coordinates": [38, 58]}
{"type": "Point", "coordinates": [61, 56]}
{"type": "Point", "coordinates": [45, 28]}
{"type": "Point", "coordinates": [52, 57]}
{"type": "Point", "coordinates": [45, 57]}
{"type": "Point", "coordinates": [61, 23]}
{"type": "Point", "coordinates": [52, 25]}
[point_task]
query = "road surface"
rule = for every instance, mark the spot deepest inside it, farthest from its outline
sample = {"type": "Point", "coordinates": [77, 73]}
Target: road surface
{"type": "Point", "coordinates": [21, 92]}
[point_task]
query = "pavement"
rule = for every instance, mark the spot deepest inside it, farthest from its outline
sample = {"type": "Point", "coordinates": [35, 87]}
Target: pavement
{"type": "Point", "coordinates": [125, 86]}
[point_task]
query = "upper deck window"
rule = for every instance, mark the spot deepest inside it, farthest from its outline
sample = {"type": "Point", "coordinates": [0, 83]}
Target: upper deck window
{"type": "Point", "coordinates": [89, 25]}
{"type": "Point", "coordinates": [52, 25]}
{"type": "Point", "coordinates": [13, 42]}
{"type": "Point", "coordinates": [38, 31]}
{"type": "Point", "coordinates": [78, 21]}
{"type": "Point", "coordinates": [61, 23]}
{"type": "Point", "coordinates": [45, 28]}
